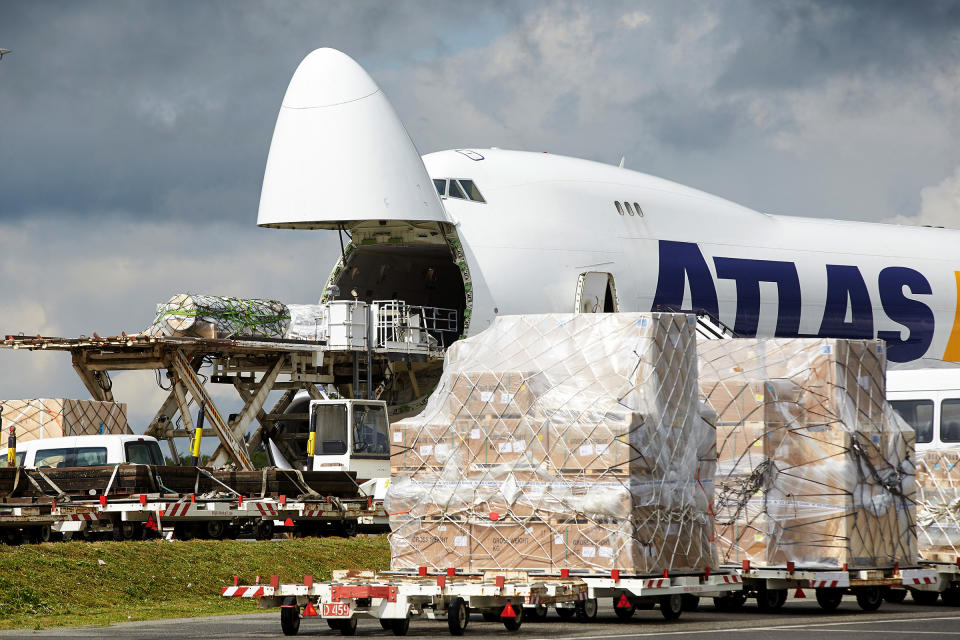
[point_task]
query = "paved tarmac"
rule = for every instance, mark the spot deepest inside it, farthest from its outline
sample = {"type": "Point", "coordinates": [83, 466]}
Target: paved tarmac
{"type": "Point", "coordinates": [798, 620]}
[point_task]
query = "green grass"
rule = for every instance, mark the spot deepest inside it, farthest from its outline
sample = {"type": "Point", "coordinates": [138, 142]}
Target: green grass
{"type": "Point", "coordinates": [80, 583]}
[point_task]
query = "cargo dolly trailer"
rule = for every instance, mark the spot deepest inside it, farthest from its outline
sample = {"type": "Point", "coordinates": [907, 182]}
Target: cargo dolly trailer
{"type": "Point", "coordinates": [507, 596]}
{"type": "Point", "coordinates": [932, 580]}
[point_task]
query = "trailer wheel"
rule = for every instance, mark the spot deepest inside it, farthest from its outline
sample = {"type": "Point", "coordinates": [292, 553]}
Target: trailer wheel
{"type": "Point", "coordinates": [869, 598]}
{"type": "Point", "coordinates": [386, 624]}
{"type": "Point", "coordinates": [690, 603]}
{"type": "Point", "coordinates": [40, 534]}
{"type": "Point", "coordinates": [290, 617]}
{"type": "Point", "coordinates": [513, 624]}
{"type": "Point", "coordinates": [537, 613]}
{"type": "Point", "coordinates": [215, 529]}
{"type": "Point", "coordinates": [400, 627]}
{"type": "Point", "coordinates": [587, 610]}
{"type": "Point", "coordinates": [457, 616]}
{"type": "Point", "coordinates": [624, 613]}
{"type": "Point", "coordinates": [565, 613]}
{"type": "Point", "coordinates": [951, 597]}
{"type": "Point", "coordinates": [895, 595]}
{"type": "Point", "coordinates": [926, 598]}
{"type": "Point", "coordinates": [349, 528]}
{"type": "Point", "coordinates": [263, 530]}
{"type": "Point", "coordinates": [770, 599]}
{"type": "Point", "coordinates": [333, 623]}
{"type": "Point", "coordinates": [183, 532]}
{"type": "Point", "coordinates": [671, 606]}
{"type": "Point", "coordinates": [733, 601]}
{"type": "Point", "coordinates": [348, 627]}
{"type": "Point", "coordinates": [829, 599]}
{"type": "Point", "coordinates": [12, 537]}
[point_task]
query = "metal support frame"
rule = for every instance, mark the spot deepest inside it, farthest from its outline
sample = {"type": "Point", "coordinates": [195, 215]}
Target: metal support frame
{"type": "Point", "coordinates": [252, 407]}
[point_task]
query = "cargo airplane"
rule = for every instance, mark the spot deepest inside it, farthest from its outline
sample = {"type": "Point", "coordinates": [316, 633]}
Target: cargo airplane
{"type": "Point", "coordinates": [491, 231]}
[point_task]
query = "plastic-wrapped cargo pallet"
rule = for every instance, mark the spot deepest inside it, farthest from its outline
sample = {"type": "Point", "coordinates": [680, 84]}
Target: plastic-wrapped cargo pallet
{"type": "Point", "coordinates": [56, 417]}
{"type": "Point", "coordinates": [938, 503]}
{"type": "Point", "coordinates": [814, 466]}
{"type": "Point", "coordinates": [558, 442]}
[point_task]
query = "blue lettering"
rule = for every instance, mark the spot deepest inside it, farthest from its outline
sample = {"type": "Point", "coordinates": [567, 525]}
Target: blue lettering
{"type": "Point", "coordinates": [913, 314]}
{"type": "Point", "coordinates": [748, 274]}
{"type": "Point", "coordinates": [844, 283]}
{"type": "Point", "coordinates": [681, 262]}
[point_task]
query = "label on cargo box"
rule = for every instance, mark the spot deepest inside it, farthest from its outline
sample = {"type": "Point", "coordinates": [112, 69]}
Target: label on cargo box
{"type": "Point", "coordinates": [461, 541]}
{"type": "Point", "coordinates": [397, 437]}
{"type": "Point", "coordinates": [586, 449]}
{"type": "Point", "coordinates": [442, 527]}
{"type": "Point", "coordinates": [486, 396]}
{"type": "Point", "coordinates": [426, 449]}
{"type": "Point", "coordinates": [606, 552]}
{"type": "Point", "coordinates": [558, 538]}
{"type": "Point", "coordinates": [441, 449]}
{"type": "Point", "coordinates": [506, 398]}
{"type": "Point", "coordinates": [588, 552]}
{"type": "Point", "coordinates": [474, 434]}
{"type": "Point", "coordinates": [601, 449]}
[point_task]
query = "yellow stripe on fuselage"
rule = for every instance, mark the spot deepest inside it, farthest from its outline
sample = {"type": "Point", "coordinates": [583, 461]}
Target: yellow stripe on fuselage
{"type": "Point", "coordinates": [952, 354]}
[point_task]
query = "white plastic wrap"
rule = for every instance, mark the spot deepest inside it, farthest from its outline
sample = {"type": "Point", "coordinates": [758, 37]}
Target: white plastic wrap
{"type": "Point", "coordinates": [558, 441]}
{"type": "Point", "coordinates": [938, 503]}
{"type": "Point", "coordinates": [814, 466]}
{"type": "Point", "coordinates": [307, 322]}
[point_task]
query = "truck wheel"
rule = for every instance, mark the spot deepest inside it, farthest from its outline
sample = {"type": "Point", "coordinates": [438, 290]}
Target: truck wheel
{"type": "Point", "coordinates": [348, 627]}
{"type": "Point", "coordinates": [925, 598]}
{"type": "Point", "coordinates": [386, 624]}
{"type": "Point", "coordinates": [895, 595]}
{"type": "Point", "coordinates": [400, 627]}
{"type": "Point", "coordinates": [671, 606]}
{"type": "Point", "coordinates": [951, 597]}
{"type": "Point", "coordinates": [290, 617]}
{"type": "Point", "coordinates": [587, 610]}
{"type": "Point", "coordinates": [565, 613]}
{"type": "Point", "coordinates": [690, 603]}
{"type": "Point", "coordinates": [537, 613]}
{"type": "Point", "coordinates": [349, 528]}
{"type": "Point", "coordinates": [457, 616]}
{"type": "Point", "coordinates": [624, 613]}
{"type": "Point", "coordinates": [829, 599]}
{"type": "Point", "coordinates": [770, 599]}
{"type": "Point", "coordinates": [513, 624]}
{"type": "Point", "coordinates": [215, 529]}
{"type": "Point", "coordinates": [869, 598]}
{"type": "Point", "coordinates": [733, 601]}
{"type": "Point", "coordinates": [263, 530]}
{"type": "Point", "coordinates": [131, 530]}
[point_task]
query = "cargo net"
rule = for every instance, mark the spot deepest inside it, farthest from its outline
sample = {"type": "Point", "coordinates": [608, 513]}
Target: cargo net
{"type": "Point", "coordinates": [558, 442]}
{"type": "Point", "coordinates": [938, 503]}
{"type": "Point", "coordinates": [56, 417]}
{"type": "Point", "coordinates": [202, 316]}
{"type": "Point", "coordinates": [813, 465]}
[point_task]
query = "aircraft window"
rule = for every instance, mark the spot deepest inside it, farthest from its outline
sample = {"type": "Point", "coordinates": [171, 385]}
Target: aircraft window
{"type": "Point", "coordinates": [949, 420]}
{"type": "Point", "coordinates": [454, 191]}
{"type": "Point", "coordinates": [472, 192]}
{"type": "Point", "coordinates": [918, 414]}
{"type": "Point", "coordinates": [619, 208]}
{"type": "Point", "coordinates": [441, 186]}
{"type": "Point", "coordinates": [637, 207]}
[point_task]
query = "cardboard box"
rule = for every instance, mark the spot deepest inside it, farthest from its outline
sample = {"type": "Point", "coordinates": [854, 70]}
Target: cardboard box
{"type": "Point", "coordinates": [58, 417]}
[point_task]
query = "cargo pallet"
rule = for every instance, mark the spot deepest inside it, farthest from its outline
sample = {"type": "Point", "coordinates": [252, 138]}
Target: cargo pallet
{"type": "Point", "coordinates": [394, 598]}
{"type": "Point", "coordinates": [770, 586]}
{"type": "Point", "coordinates": [932, 580]}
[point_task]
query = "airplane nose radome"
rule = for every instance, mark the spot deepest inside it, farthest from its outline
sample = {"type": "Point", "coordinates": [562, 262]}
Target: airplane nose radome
{"type": "Point", "coordinates": [327, 77]}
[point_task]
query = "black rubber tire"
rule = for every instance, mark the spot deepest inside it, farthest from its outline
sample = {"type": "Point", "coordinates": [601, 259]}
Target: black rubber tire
{"type": "Point", "coordinates": [349, 528]}
{"type": "Point", "coordinates": [40, 534]}
{"type": "Point", "coordinates": [400, 627]}
{"type": "Point", "coordinates": [671, 606]}
{"type": "Point", "coordinates": [131, 530]}
{"type": "Point", "coordinates": [536, 613]}
{"type": "Point", "coordinates": [624, 613]}
{"type": "Point", "coordinates": [951, 597]}
{"type": "Point", "coordinates": [263, 530]}
{"type": "Point", "coordinates": [869, 598]}
{"type": "Point", "coordinates": [733, 601]}
{"type": "Point", "coordinates": [386, 624]}
{"type": "Point", "coordinates": [690, 603]}
{"type": "Point", "coordinates": [565, 613]}
{"type": "Point", "coordinates": [925, 598]}
{"type": "Point", "coordinates": [895, 595]}
{"type": "Point", "coordinates": [587, 610]}
{"type": "Point", "coordinates": [457, 616]}
{"type": "Point", "coordinates": [333, 623]}
{"type": "Point", "coordinates": [290, 617]}
{"type": "Point", "coordinates": [513, 624]}
{"type": "Point", "coordinates": [348, 627]}
{"type": "Point", "coordinates": [769, 600]}
{"type": "Point", "coordinates": [183, 532]}
{"type": "Point", "coordinates": [829, 599]}
{"type": "Point", "coordinates": [491, 616]}
{"type": "Point", "coordinates": [215, 529]}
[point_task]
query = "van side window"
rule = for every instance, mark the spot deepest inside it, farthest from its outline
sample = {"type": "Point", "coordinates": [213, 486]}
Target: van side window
{"type": "Point", "coordinates": [50, 458]}
{"type": "Point", "coordinates": [3, 458]}
{"type": "Point", "coordinates": [143, 452]}
{"type": "Point", "coordinates": [918, 414]}
{"type": "Point", "coordinates": [89, 456]}
{"type": "Point", "coordinates": [949, 420]}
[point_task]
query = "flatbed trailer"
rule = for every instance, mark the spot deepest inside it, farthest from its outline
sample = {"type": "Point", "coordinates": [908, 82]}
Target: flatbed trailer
{"type": "Point", "coordinates": [394, 598]}
{"type": "Point", "coordinates": [770, 586]}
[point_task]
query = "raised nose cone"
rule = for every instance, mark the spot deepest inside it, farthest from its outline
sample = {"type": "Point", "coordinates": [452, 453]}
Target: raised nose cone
{"type": "Point", "coordinates": [340, 154]}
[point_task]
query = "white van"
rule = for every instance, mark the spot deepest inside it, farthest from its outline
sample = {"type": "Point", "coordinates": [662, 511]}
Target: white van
{"type": "Point", "coordinates": [86, 451]}
{"type": "Point", "coordinates": [929, 400]}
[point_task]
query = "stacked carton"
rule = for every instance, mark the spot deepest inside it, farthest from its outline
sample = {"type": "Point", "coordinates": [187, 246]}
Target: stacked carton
{"type": "Point", "coordinates": [56, 417]}
{"type": "Point", "coordinates": [938, 503]}
{"type": "Point", "coordinates": [558, 442]}
{"type": "Point", "coordinates": [814, 467]}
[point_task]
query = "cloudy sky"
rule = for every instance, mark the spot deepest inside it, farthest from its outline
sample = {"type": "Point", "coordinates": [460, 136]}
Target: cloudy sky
{"type": "Point", "coordinates": [133, 135]}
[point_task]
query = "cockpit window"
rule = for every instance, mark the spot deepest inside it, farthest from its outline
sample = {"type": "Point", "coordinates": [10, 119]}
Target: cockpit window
{"type": "Point", "coordinates": [454, 191]}
{"type": "Point", "coordinates": [472, 192]}
{"type": "Point", "coordinates": [441, 186]}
